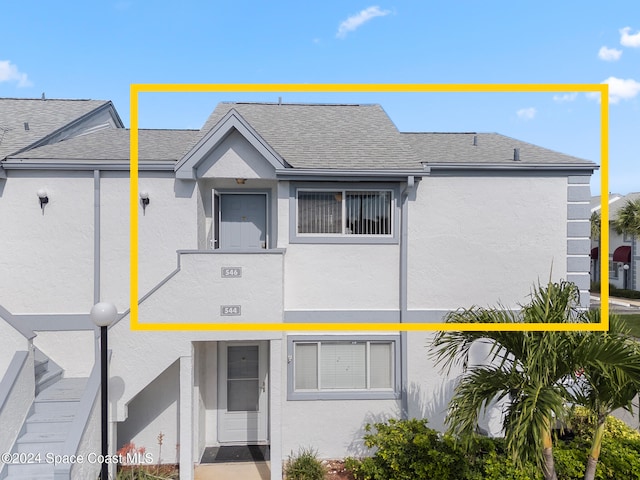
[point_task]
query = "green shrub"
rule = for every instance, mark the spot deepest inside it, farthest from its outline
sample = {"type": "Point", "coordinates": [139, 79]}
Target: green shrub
{"type": "Point", "coordinates": [408, 450]}
{"type": "Point", "coordinates": [304, 466]}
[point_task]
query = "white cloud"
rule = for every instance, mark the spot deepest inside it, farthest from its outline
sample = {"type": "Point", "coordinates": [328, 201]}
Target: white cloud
{"type": "Point", "coordinates": [526, 113]}
{"type": "Point", "coordinates": [629, 40]}
{"type": "Point", "coordinates": [10, 73]}
{"type": "Point", "coordinates": [609, 54]}
{"type": "Point", "coordinates": [566, 97]}
{"type": "Point", "coordinates": [355, 21]}
{"type": "Point", "coordinates": [620, 89]}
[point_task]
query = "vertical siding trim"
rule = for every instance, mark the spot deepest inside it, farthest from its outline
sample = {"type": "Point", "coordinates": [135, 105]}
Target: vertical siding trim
{"type": "Point", "coordinates": [578, 245]}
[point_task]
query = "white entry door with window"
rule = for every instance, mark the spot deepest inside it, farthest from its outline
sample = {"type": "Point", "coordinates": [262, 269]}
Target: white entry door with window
{"type": "Point", "coordinates": [243, 392]}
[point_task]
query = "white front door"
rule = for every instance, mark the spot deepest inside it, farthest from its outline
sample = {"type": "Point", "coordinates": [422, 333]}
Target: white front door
{"type": "Point", "coordinates": [243, 392]}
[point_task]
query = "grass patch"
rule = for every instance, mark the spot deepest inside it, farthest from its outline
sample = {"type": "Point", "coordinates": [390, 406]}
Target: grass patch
{"type": "Point", "coordinates": [632, 321]}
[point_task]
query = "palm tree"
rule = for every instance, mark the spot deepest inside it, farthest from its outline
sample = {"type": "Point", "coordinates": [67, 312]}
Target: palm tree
{"type": "Point", "coordinates": [607, 377]}
{"type": "Point", "coordinates": [627, 221]}
{"type": "Point", "coordinates": [595, 224]}
{"type": "Point", "coordinates": [534, 373]}
{"type": "Point", "coordinates": [628, 218]}
{"type": "Point", "coordinates": [524, 369]}
{"type": "Point", "coordinates": [595, 233]}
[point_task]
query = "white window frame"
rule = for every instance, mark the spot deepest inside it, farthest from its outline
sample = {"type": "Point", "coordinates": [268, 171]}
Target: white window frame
{"type": "Point", "coordinates": [346, 238]}
{"type": "Point", "coordinates": [367, 392]}
{"type": "Point", "coordinates": [613, 269]}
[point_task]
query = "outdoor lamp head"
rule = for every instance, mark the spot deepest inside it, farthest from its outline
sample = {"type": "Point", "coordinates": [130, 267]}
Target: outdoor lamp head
{"type": "Point", "coordinates": [104, 314]}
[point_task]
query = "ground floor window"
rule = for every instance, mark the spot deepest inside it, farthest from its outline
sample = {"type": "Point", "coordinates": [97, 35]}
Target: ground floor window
{"type": "Point", "coordinates": [340, 367]}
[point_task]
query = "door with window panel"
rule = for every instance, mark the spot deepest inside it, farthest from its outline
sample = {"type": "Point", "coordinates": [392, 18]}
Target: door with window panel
{"type": "Point", "coordinates": [242, 392]}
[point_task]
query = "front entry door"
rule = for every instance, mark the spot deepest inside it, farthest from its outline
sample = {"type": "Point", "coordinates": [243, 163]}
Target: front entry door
{"type": "Point", "coordinates": [243, 392]}
{"type": "Point", "coordinates": [243, 221]}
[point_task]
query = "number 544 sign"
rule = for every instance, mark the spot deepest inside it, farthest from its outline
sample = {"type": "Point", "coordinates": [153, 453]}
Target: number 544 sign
{"type": "Point", "coordinates": [230, 310]}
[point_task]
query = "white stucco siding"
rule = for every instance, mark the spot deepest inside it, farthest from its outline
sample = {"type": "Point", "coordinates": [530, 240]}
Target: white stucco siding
{"type": "Point", "coordinates": [283, 198]}
{"type": "Point", "coordinates": [341, 277]}
{"type": "Point", "coordinates": [11, 341]}
{"type": "Point", "coordinates": [428, 390]}
{"type": "Point", "coordinates": [198, 291]}
{"type": "Point", "coordinates": [483, 240]}
{"type": "Point", "coordinates": [168, 224]}
{"type": "Point", "coordinates": [333, 427]}
{"type": "Point", "coordinates": [46, 258]}
{"type": "Point", "coordinates": [76, 361]}
{"type": "Point", "coordinates": [235, 157]}
{"type": "Point", "coordinates": [152, 412]}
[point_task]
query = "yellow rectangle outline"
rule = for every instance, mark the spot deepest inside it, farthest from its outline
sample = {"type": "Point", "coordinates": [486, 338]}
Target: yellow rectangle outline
{"type": "Point", "coordinates": [603, 89]}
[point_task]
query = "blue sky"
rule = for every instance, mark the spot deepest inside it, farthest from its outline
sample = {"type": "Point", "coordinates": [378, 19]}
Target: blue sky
{"type": "Point", "coordinates": [80, 49]}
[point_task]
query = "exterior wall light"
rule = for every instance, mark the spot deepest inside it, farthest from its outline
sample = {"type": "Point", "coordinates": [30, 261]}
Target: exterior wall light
{"type": "Point", "coordinates": [43, 197]}
{"type": "Point", "coordinates": [144, 199]}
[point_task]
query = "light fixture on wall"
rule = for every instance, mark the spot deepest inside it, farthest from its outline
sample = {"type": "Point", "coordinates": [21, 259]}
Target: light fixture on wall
{"type": "Point", "coordinates": [144, 199]}
{"type": "Point", "coordinates": [240, 181]}
{"type": "Point", "coordinates": [43, 197]}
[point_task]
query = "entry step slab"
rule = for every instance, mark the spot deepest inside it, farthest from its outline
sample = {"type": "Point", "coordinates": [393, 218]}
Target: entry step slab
{"type": "Point", "coordinates": [55, 424]}
{"type": "Point", "coordinates": [64, 390]}
{"type": "Point", "coordinates": [31, 470]}
{"type": "Point", "coordinates": [41, 442]}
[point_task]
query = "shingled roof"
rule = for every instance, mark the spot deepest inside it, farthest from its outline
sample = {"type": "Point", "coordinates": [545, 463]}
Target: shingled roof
{"type": "Point", "coordinates": [25, 121]}
{"type": "Point", "coordinates": [306, 136]}
{"type": "Point", "coordinates": [346, 136]}
{"type": "Point", "coordinates": [113, 144]}
{"type": "Point", "coordinates": [482, 148]}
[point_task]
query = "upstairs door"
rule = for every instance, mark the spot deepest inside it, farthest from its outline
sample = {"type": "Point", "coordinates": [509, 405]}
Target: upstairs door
{"type": "Point", "coordinates": [243, 221]}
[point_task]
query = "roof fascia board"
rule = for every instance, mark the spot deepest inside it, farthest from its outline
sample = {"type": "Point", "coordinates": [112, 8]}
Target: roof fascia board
{"type": "Point", "coordinates": [53, 164]}
{"type": "Point", "coordinates": [345, 174]}
{"type": "Point", "coordinates": [186, 168]}
{"type": "Point", "coordinates": [507, 166]}
{"type": "Point", "coordinates": [44, 140]}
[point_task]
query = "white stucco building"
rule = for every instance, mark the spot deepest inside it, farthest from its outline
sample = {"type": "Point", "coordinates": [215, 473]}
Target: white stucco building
{"type": "Point", "coordinates": [624, 260]}
{"type": "Point", "coordinates": [271, 213]}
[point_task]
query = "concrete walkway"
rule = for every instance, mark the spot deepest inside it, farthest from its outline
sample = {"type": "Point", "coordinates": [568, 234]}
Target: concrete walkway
{"type": "Point", "coordinates": [233, 471]}
{"type": "Point", "coordinates": [619, 305]}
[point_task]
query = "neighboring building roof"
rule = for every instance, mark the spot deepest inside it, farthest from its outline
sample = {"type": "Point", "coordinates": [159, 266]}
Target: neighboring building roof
{"type": "Point", "coordinates": [113, 144]}
{"type": "Point", "coordinates": [618, 204]}
{"type": "Point", "coordinates": [482, 148]}
{"type": "Point", "coordinates": [596, 201]}
{"type": "Point", "coordinates": [344, 136]}
{"type": "Point", "coordinates": [26, 121]}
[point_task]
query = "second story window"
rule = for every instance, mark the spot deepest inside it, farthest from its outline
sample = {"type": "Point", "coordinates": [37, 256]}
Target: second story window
{"type": "Point", "coordinates": [344, 212]}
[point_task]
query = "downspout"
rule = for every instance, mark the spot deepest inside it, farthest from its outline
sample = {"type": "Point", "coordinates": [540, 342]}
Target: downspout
{"type": "Point", "coordinates": [403, 270]}
{"type": "Point", "coordinates": [96, 253]}
{"type": "Point", "coordinates": [96, 236]}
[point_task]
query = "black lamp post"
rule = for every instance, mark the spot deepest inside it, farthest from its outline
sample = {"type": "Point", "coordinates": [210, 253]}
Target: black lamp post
{"type": "Point", "coordinates": [104, 314]}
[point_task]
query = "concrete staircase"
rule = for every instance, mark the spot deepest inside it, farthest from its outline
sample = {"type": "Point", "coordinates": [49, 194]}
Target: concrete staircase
{"type": "Point", "coordinates": [47, 426]}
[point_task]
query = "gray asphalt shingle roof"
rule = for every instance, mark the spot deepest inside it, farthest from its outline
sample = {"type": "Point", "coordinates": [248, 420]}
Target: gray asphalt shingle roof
{"type": "Point", "coordinates": [489, 148]}
{"type": "Point", "coordinates": [43, 117]}
{"type": "Point", "coordinates": [325, 135]}
{"type": "Point", "coordinates": [113, 144]}
{"type": "Point", "coordinates": [322, 136]}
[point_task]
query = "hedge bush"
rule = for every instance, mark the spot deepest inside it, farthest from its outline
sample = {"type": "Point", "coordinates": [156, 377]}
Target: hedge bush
{"type": "Point", "coordinates": [409, 449]}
